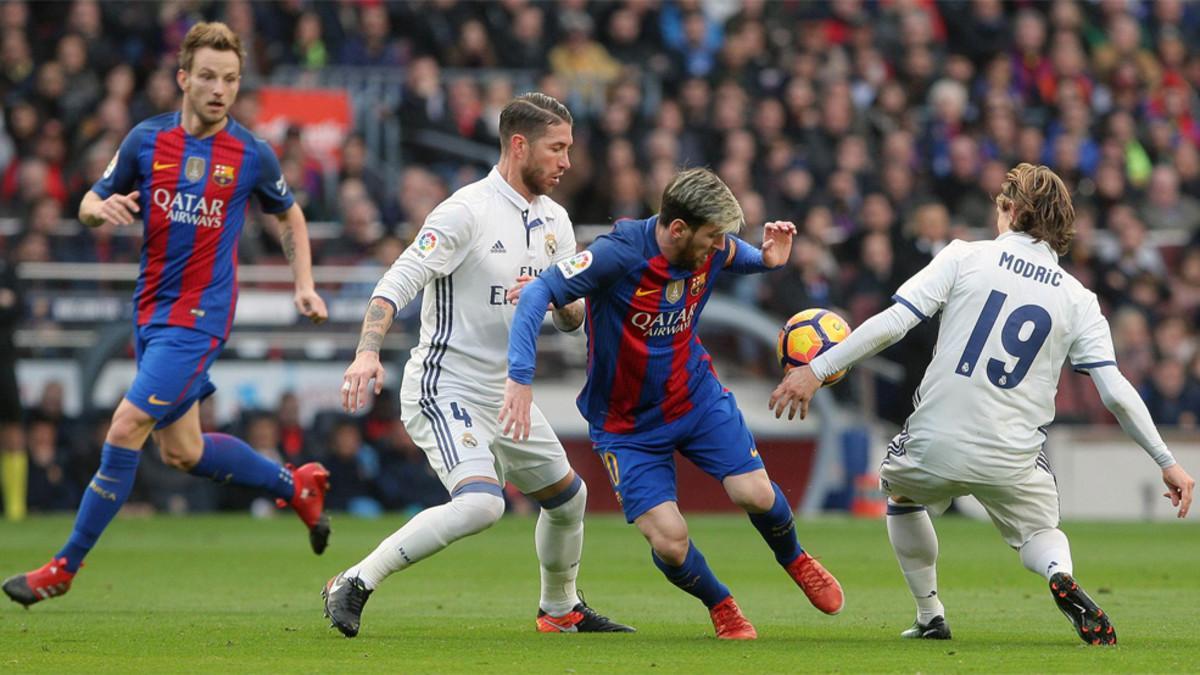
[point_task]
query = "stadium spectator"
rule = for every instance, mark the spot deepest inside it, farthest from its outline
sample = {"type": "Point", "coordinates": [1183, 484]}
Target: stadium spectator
{"type": "Point", "coordinates": [1165, 208]}
{"type": "Point", "coordinates": [13, 458]}
{"type": "Point", "coordinates": [50, 485]}
{"type": "Point", "coordinates": [353, 468]}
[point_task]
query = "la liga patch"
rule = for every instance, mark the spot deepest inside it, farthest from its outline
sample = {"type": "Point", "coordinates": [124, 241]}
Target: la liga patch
{"type": "Point", "coordinates": [575, 264]}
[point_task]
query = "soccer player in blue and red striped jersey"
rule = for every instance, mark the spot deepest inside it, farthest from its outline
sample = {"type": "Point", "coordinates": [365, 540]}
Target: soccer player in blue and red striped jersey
{"type": "Point", "coordinates": [189, 176]}
{"type": "Point", "coordinates": [651, 389]}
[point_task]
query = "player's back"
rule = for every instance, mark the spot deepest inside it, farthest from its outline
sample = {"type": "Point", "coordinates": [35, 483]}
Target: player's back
{"type": "Point", "coordinates": [1010, 318]}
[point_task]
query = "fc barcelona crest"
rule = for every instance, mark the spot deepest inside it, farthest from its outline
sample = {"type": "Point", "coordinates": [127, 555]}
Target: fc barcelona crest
{"type": "Point", "coordinates": [674, 291]}
{"type": "Point", "coordinates": [697, 286]}
{"type": "Point", "coordinates": [222, 174]}
{"type": "Point", "coordinates": [551, 244]}
{"type": "Point", "coordinates": [194, 169]}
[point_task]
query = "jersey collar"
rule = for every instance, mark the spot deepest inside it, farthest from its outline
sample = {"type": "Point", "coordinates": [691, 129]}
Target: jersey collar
{"type": "Point", "coordinates": [503, 187]}
{"type": "Point", "coordinates": [1028, 240]}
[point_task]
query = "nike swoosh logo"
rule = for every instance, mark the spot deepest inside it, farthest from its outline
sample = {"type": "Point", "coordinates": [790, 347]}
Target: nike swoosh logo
{"type": "Point", "coordinates": [158, 166]}
{"type": "Point", "coordinates": [154, 400]}
{"type": "Point", "coordinates": [645, 291]}
{"type": "Point", "coordinates": [103, 477]}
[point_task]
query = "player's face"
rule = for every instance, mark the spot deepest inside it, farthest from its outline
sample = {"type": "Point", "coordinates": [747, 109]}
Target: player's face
{"type": "Point", "coordinates": [546, 160]}
{"type": "Point", "coordinates": [699, 244]}
{"type": "Point", "coordinates": [211, 87]}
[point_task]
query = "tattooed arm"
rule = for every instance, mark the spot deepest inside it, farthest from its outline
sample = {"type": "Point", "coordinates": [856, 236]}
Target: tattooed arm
{"type": "Point", "coordinates": [293, 237]}
{"type": "Point", "coordinates": [366, 366]}
{"type": "Point", "coordinates": [570, 317]}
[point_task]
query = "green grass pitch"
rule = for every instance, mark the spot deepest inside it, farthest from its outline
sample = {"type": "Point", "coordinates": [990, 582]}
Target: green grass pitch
{"type": "Point", "coordinates": [230, 595]}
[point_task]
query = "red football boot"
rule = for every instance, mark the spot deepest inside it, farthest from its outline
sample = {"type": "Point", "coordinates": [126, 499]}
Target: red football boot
{"type": "Point", "coordinates": [48, 581]}
{"type": "Point", "coordinates": [822, 589]}
{"type": "Point", "coordinates": [311, 482]}
{"type": "Point", "coordinates": [730, 623]}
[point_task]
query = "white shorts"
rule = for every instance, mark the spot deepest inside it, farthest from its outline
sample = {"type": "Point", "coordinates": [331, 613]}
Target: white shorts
{"type": "Point", "coordinates": [463, 440]}
{"type": "Point", "coordinates": [1018, 511]}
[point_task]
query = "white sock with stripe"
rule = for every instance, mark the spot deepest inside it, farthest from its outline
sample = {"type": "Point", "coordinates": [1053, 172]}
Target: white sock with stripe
{"type": "Point", "coordinates": [913, 539]}
{"type": "Point", "coordinates": [559, 540]}
{"type": "Point", "coordinates": [1047, 553]}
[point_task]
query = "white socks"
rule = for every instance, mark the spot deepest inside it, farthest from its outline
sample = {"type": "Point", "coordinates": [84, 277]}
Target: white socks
{"type": "Point", "coordinates": [1047, 553]}
{"type": "Point", "coordinates": [916, 546]}
{"type": "Point", "coordinates": [559, 540]}
{"type": "Point", "coordinates": [429, 532]}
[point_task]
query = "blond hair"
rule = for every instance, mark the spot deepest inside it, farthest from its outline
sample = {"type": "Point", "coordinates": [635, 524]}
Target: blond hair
{"type": "Point", "coordinates": [214, 35]}
{"type": "Point", "coordinates": [698, 197]}
{"type": "Point", "coordinates": [1039, 204]}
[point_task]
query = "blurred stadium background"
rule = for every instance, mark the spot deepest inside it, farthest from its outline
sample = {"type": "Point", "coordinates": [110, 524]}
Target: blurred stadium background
{"type": "Point", "coordinates": [881, 128]}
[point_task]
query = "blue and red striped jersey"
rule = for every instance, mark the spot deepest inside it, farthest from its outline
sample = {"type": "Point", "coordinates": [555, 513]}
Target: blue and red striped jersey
{"type": "Point", "coordinates": [193, 195]}
{"type": "Point", "coordinates": [646, 366]}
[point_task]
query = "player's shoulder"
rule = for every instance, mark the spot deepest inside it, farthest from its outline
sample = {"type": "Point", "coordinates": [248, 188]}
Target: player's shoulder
{"type": "Point", "coordinates": [250, 142]}
{"type": "Point", "coordinates": [150, 126]}
{"type": "Point", "coordinates": [555, 212]}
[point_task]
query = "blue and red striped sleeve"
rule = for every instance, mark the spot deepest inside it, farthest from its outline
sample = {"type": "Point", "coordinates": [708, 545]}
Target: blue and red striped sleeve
{"type": "Point", "coordinates": [122, 173]}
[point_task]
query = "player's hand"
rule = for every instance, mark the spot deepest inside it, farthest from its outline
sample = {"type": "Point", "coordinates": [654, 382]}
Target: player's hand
{"type": "Point", "coordinates": [366, 367]}
{"type": "Point", "coordinates": [513, 295]}
{"type": "Point", "coordinates": [1179, 488]}
{"type": "Point", "coordinates": [794, 392]}
{"type": "Point", "coordinates": [514, 412]}
{"type": "Point", "coordinates": [777, 242]}
{"type": "Point", "coordinates": [310, 305]}
{"type": "Point", "coordinates": [119, 209]}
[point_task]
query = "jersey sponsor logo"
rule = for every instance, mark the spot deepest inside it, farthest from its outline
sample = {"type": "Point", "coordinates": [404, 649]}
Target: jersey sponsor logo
{"type": "Point", "coordinates": [163, 166]}
{"type": "Point", "coordinates": [674, 291]}
{"type": "Point", "coordinates": [189, 209]}
{"type": "Point", "coordinates": [575, 264]}
{"type": "Point", "coordinates": [643, 292]}
{"type": "Point", "coordinates": [551, 243]}
{"type": "Point", "coordinates": [281, 186]}
{"type": "Point", "coordinates": [223, 174]}
{"type": "Point", "coordinates": [426, 243]}
{"type": "Point", "coordinates": [155, 400]}
{"type": "Point", "coordinates": [698, 283]}
{"type": "Point", "coordinates": [194, 168]}
{"type": "Point", "coordinates": [498, 247]}
{"type": "Point", "coordinates": [660, 324]}
{"type": "Point", "coordinates": [112, 165]}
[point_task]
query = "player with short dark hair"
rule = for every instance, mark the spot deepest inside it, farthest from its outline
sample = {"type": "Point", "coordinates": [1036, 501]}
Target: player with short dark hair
{"type": "Point", "coordinates": [189, 176]}
{"type": "Point", "coordinates": [1010, 318]}
{"type": "Point", "coordinates": [651, 388]}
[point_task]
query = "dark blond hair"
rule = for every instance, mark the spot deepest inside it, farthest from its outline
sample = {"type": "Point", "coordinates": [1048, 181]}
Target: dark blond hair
{"type": "Point", "coordinates": [1039, 204]}
{"type": "Point", "coordinates": [214, 35]}
{"type": "Point", "coordinates": [698, 197]}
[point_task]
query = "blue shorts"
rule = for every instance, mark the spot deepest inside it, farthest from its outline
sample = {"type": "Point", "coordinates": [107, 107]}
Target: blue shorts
{"type": "Point", "coordinates": [172, 370]}
{"type": "Point", "coordinates": [641, 466]}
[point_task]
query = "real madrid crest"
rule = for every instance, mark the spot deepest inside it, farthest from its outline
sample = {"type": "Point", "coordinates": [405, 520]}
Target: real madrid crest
{"type": "Point", "coordinates": [697, 286]}
{"type": "Point", "coordinates": [194, 169]}
{"type": "Point", "coordinates": [674, 291]}
{"type": "Point", "coordinates": [551, 244]}
{"type": "Point", "coordinates": [468, 440]}
{"type": "Point", "coordinates": [222, 174]}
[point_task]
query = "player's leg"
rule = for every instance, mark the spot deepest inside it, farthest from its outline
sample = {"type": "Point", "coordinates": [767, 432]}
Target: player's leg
{"type": "Point", "coordinates": [460, 456]}
{"type": "Point", "coordinates": [914, 541]}
{"type": "Point", "coordinates": [720, 443]}
{"type": "Point", "coordinates": [1027, 517]}
{"type": "Point", "coordinates": [538, 466]}
{"type": "Point", "coordinates": [101, 501]}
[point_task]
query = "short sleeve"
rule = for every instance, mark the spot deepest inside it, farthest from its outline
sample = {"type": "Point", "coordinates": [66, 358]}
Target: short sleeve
{"type": "Point", "coordinates": [1093, 346]}
{"type": "Point", "coordinates": [926, 292]}
{"type": "Point", "coordinates": [445, 239]}
{"type": "Point", "coordinates": [271, 188]}
{"type": "Point", "coordinates": [121, 174]}
{"type": "Point", "coordinates": [589, 271]}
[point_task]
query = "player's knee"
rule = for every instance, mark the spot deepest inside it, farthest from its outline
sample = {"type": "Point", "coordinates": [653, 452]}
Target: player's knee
{"type": "Point", "coordinates": [567, 506]}
{"type": "Point", "coordinates": [757, 496]}
{"type": "Point", "coordinates": [177, 456]}
{"type": "Point", "coordinates": [129, 428]}
{"type": "Point", "coordinates": [479, 509]}
{"type": "Point", "coordinates": [670, 547]}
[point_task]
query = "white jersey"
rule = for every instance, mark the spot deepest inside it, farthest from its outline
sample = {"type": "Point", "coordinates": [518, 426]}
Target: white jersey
{"type": "Point", "coordinates": [1010, 318]}
{"type": "Point", "coordinates": [469, 252]}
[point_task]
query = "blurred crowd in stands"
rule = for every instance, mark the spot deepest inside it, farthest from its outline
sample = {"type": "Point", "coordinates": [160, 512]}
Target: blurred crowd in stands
{"type": "Point", "coordinates": [881, 128]}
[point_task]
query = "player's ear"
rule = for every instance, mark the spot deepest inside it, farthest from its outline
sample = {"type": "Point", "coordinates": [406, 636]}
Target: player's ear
{"type": "Point", "coordinates": [180, 77]}
{"type": "Point", "coordinates": [518, 145]}
{"type": "Point", "coordinates": [678, 228]}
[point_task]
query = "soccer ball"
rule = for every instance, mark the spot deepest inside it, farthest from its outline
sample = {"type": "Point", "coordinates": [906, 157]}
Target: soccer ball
{"type": "Point", "coordinates": [809, 334]}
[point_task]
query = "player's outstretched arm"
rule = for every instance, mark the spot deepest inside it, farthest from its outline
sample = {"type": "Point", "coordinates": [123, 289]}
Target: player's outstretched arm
{"type": "Point", "coordinates": [293, 237]}
{"type": "Point", "coordinates": [744, 258]}
{"type": "Point", "coordinates": [366, 366]}
{"type": "Point", "coordinates": [873, 336]}
{"type": "Point", "coordinates": [522, 354]}
{"type": "Point", "coordinates": [1123, 402]}
{"type": "Point", "coordinates": [117, 209]}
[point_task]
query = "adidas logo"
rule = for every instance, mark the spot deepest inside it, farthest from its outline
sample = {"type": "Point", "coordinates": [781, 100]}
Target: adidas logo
{"type": "Point", "coordinates": [498, 247]}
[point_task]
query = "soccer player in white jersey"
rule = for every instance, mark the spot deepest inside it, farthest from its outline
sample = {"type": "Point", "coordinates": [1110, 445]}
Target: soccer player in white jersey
{"type": "Point", "coordinates": [1010, 318]}
{"type": "Point", "coordinates": [473, 255]}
